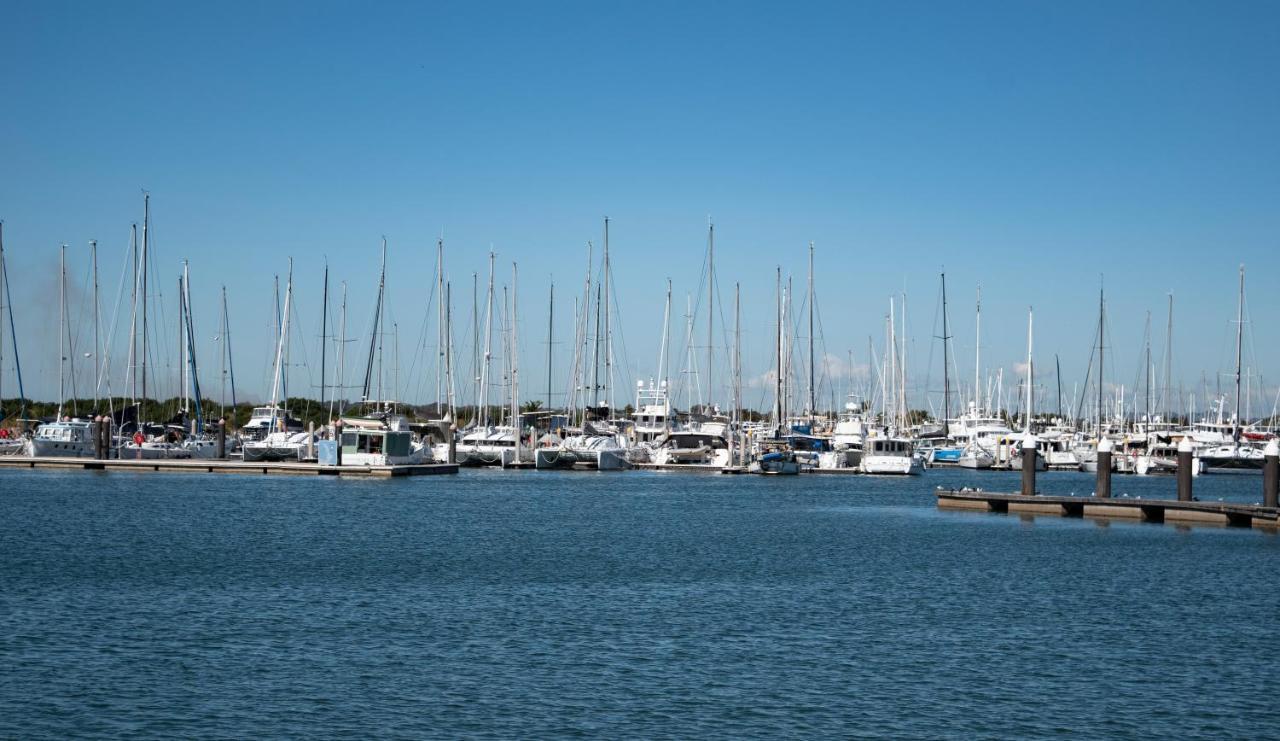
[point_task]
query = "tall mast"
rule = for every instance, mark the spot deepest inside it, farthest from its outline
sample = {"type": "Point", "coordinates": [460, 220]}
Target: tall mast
{"type": "Point", "coordinates": [977, 356]}
{"type": "Point", "coordinates": [812, 400]}
{"type": "Point", "coordinates": [488, 346]}
{"type": "Point", "coordinates": [1235, 428]}
{"type": "Point", "coordinates": [441, 338]}
{"type": "Point", "coordinates": [666, 339]}
{"type": "Point", "coordinates": [144, 258]}
{"type": "Point", "coordinates": [448, 344]}
{"type": "Point", "coordinates": [382, 313]}
{"type": "Point", "coordinates": [1101, 329]}
{"type": "Point", "coordinates": [324, 334]}
{"type": "Point", "coordinates": [475, 341]}
{"type": "Point", "coordinates": [595, 363]}
{"type": "Point", "coordinates": [515, 362]}
{"type": "Point", "coordinates": [231, 362]}
{"type": "Point", "coordinates": [946, 364]}
{"type": "Point", "coordinates": [893, 360]}
{"type": "Point", "coordinates": [1057, 371]}
{"type": "Point", "coordinates": [777, 381]}
{"type": "Point", "coordinates": [551, 325]}
{"type": "Point", "coordinates": [182, 350]}
{"type": "Point", "coordinates": [193, 366]}
{"type": "Point", "coordinates": [1168, 360]}
{"type": "Point", "coordinates": [97, 342]}
{"type": "Point", "coordinates": [711, 270]}
{"type": "Point", "coordinates": [13, 331]}
{"type": "Point", "coordinates": [1030, 371]}
{"type": "Point", "coordinates": [375, 344]}
{"type": "Point", "coordinates": [1147, 373]}
{"type": "Point", "coordinates": [342, 356]}
{"type": "Point", "coordinates": [608, 337]}
{"type": "Point", "coordinates": [62, 327]}
{"type": "Point", "coordinates": [737, 365]}
{"type": "Point", "coordinates": [280, 343]}
{"type": "Point", "coordinates": [132, 368]}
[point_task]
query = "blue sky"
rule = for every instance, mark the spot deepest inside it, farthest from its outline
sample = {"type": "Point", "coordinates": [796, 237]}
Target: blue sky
{"type": "Point", "coordinates": [1027, 146]}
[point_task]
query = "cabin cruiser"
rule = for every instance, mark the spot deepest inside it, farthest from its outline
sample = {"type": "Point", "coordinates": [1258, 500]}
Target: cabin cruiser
{"type": "Point", "coordinates": [277, 447]}
{"type": "Point", "coordinates": [268, 419]}
{"type": "Point", "coordinates": [67, 438]}
{"type": "Point", "coordinates": [488, 446]}
{"type": "Point", "coordinates": [1162, 458]}
{"type": "Point", "coordinates": [692, 448]}
{"type": "Point", "coordinates": [1231, 458]}
{"type": "Point", "coordinates": [890, 455]}
{"type": "Point", "coordinates": [652, 417]}
{"type": "Point", "coordinates": [848, 436]}
{"type": "Point", "coordinates": [379, 441]}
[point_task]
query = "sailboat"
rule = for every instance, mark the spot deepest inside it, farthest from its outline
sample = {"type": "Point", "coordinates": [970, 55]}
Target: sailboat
{"type": "Point", "coordinates": [774, 455]}
{"type": "Point", "coordinates": [11, 440]}
{"type": "Point", "coordinates": [1234, 456]}
{"type": "Point", "coordinates": [887, 451]}
{"type": "Point", "coordinates": [279, 443]}
{"type": "Point", "coordinates": [65, 437]}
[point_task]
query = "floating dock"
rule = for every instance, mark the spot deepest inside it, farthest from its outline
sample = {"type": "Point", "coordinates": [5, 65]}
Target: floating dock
{"type": "Point", "coordinates": [196, 465]}
{"type": "Point", "coordinates": [1144, 510]}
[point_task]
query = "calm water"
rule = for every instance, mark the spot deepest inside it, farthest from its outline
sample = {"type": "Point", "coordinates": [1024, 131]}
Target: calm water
{"type": "Point", "coordinates": [637, 605]}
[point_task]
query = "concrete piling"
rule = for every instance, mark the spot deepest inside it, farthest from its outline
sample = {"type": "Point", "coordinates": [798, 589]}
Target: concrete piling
{"type": "Point", "coordinates": [221, 450]}
{"type": "Point", "coordinates": [95, 430]}
{"type": "Point", "coordinates": [1185, 462]}
{"type": "Point", "coordinates": [1271, 474]}
{"type": "Point", "coordinates": [337, 437]}
{"type": "Point", "coordinates": [1029, 466]}
{"type": "Point", "coordinates": [453, 444]}
{"type": "Point", "coordinates": [1103, 488]}
{"type": "Point", "coordinates": [311, 441]}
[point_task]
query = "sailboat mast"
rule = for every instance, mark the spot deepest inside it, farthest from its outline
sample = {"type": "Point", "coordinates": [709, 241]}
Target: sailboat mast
{"type": "Point", "coordinates": [374, 343]}
{"type": "Point", "coordinates": [448, 355]}
{"type": "Point", "coordinates": [977, 355]}
{"type": "Point", "coordinates": [1235, 428]}
{"type": "Point", "coordinates": [946, 363]}
{"type": "Point", "coordinates": [1148, 374]}
{"type": "Point", "coordinates": [488, 346]}
{"type": "Point", "coordinates": [1101, 329]}
{"type": "Point", "coordinates": [1057, 371]}
{"type": "Point", "coordinates": [551, 325]}
{"type": "Point", "coordinates": [664, 361]}
{"type": "Point", "coordinates": [280, 343]}
{"type": "Point", "coordinates": [711, 270]}
{"type": "Point", "coordinates": [97, 341]}
{"type": "Point", "coordinates": [13, 332]}
{"type": "Point", "coordinates": [441, 338]}
{"type": "Point", "coordinates": [342, 355]}
{"type": "Point", "coordinates": [382, 309]}
{"type": "Point", "coordinates": [608, 338]}
{"type": "Point", "coordinates": [324, 335]}
{"type": "Point", "coordinates": [143, 259]}
{"type": "Point", "coordinates": [515, 360]}
{"type": "Point", "coordinates": [182, 350]}
{"type": "Point", "coordinates": [777, 407]}
{"type": "Point", "coordinates": [812, 391]}
{"type": "Point", "coordinates": [1030, 370]}
{"type": "Point", "coordinates": [1168, 361]}
{"type": "Point", "coordinates": [226, 343]}
{"type": "Point", "coordinates": [62, 327]}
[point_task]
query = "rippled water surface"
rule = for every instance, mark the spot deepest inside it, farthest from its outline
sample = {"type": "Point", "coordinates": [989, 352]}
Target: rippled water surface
{"type": "Point", "coordinates": [625, 605]}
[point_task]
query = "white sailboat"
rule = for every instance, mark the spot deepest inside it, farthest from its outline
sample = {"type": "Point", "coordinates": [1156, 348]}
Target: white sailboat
{"type": "Point", "coordinates": [279, 443]}
{"type": "Point", "coordinates": [65, 437]}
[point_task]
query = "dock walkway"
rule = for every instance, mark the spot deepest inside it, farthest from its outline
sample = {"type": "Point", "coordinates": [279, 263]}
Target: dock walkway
{"type": "Point", "coordinates": [196, 465]}
{"type": "Point", "coordinates": [1147, 510]}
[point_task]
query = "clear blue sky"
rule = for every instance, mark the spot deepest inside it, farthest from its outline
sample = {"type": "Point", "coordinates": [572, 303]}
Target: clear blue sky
{"type": "Point", "coordinates": [1026, 146]}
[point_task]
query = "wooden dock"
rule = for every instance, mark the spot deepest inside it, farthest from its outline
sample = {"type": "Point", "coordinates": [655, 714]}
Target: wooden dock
{"type": "Point", "coordinates": [194, 465]}
{"type": "Point", "coordinates": [1130, 508]}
